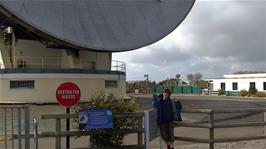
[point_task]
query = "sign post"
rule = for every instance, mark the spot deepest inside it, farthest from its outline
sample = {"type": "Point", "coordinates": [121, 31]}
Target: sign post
{"type": "Point", "coordinates": [68, 94]}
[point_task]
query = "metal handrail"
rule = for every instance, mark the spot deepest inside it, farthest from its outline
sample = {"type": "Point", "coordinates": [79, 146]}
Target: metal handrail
{"type": "Point", "coordinates": [49, 62]}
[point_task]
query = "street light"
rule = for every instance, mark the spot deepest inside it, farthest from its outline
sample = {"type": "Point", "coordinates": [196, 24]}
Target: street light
{"type": "Point", "coordinates": [146, 81]}
{"type": "Point", "coordinates": [146, 76]}
{"type": "Point", "coordinates": [177, 76]}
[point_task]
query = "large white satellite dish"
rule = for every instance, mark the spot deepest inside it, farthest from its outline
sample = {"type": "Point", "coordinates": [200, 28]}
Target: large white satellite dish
{"type": "Point", "coordinates": [101, 25]}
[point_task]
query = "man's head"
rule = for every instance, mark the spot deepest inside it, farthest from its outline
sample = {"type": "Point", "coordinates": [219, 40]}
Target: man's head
{"type": "Point", "coordinates": [166, 93]}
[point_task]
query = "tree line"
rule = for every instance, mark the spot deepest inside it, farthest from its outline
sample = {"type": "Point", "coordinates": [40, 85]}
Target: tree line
{"type": "Point", "coordinates": [145, 86]}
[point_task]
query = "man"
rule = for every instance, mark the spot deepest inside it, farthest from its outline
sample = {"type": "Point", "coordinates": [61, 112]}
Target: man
{"type": "Point", "coordinates": [165, 118]}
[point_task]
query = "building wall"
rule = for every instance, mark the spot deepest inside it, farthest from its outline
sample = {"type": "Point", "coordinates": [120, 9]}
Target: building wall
{"type": "Point", "coordinates": [36, 55]}
{"type": "Point", "coordinates": [100, 60]}
{"type": "Point", "coordinates": [242, 83]}
{"type": "Point", "coordinates": [46, 85]}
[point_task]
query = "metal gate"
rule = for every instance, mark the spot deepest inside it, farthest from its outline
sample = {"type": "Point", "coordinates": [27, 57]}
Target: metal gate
{"type": "Point", "coordinates": [14, 127]}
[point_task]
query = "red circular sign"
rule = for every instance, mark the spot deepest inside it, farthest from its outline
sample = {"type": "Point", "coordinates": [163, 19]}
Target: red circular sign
{"type": "Point", "coordinates": [68, 94]}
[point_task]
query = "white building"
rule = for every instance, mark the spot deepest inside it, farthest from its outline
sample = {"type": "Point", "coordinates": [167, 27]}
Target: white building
{"type": "Point", "coordinates": [238, 82]}
{"type": "Point", "coordinates": [31, 73]}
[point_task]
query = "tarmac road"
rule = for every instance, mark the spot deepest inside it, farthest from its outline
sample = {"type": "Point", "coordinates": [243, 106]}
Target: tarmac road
{"type": "Point", "coordinates": [214, 102]}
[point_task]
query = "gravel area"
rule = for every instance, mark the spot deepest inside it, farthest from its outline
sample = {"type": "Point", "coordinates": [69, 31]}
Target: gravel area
{"type": "Point", "coordinates": [257, 144]}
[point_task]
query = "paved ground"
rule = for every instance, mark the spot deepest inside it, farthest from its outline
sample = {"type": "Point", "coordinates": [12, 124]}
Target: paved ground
{"type": "Point", "coordinates": [215, 102]}
{"type": "Point", "coordinates": [188, 102]}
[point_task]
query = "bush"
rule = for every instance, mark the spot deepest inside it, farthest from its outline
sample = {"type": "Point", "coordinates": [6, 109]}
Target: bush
{"type": "Point", "coordinates": [221, 92]}
{"type": "Point", "coordinates": [260, 94]}
{"type": "Point", "coordinates": [243, 92]}
{"type": "Point", "coordinates": [101, 139]}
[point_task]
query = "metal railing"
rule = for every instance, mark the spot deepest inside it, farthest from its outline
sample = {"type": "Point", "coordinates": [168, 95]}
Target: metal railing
{"type": "Point", "coordinates": [32, 62]}
{"type": "Point", "coordinates": [53, 63]}
{"type": "Point", "coordinates": [118, 66]}
{"type": "Point", "coordinates": [13, 126]}
{"type": "Point", "coordinates": [211, 126]}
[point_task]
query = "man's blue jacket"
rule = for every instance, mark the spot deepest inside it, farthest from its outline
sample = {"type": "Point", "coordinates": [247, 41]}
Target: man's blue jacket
{"type": "Point", "coordinates": [176, 109]}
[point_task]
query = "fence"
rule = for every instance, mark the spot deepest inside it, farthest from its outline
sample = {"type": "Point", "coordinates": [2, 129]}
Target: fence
{"type": "Point", "coordinates": [179, 89]}
{"type": "Point", "coordinates": [58, 133]}
{"type": "Point", "coordinates": [8, 136]}
{"type": "Point", "coordinates": [14, 120]}
{"type": "Point", "coordinates": [227, 93]}
{"type": "Point", "coordinates": [211, 126]}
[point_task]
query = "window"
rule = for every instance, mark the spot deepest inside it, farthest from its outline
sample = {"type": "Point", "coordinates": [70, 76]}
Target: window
{"type": "Point", "coordinates": [223, 86]}
{"type": "Point", "coordinates": [264, 86]}
{"type": "Point", "coordinates": [235, 86]}
{"type": "Point", "coordinates": [22, 84]}
{"type": "Point", "coordinates": [111, 84]}
{"type": "Point", "coordinates": [252, 85]}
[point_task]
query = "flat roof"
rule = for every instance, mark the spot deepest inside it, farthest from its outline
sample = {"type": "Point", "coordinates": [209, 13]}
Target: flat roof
{"type": "Point", "coordinates": [241, 76]}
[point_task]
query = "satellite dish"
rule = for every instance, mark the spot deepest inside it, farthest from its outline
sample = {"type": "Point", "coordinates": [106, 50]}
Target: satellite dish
{"type": "Point", "coordinates": [101, 25]}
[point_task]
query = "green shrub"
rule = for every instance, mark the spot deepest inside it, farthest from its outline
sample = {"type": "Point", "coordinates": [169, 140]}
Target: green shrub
{"type": "Point", "coordinates": [243, 92]}
{"type": "Point", "coordinates": [260, 94]}
{"type": "Point", "coordinates": [101, 139]}
{"type": "Point", "coordinates": [221, 92]}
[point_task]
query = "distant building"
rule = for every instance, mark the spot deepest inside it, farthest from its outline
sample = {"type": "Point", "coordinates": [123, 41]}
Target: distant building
{"type": "Point", "coordinates": [238, 82]}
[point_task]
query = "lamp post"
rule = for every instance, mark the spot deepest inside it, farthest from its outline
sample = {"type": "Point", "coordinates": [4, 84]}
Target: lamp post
{"type": "Point", "coordinates": [146, 81]}
{"type": "Point", "coordinates": [177, 76]}
{"type": "Point", "coordinates": [146, 76]}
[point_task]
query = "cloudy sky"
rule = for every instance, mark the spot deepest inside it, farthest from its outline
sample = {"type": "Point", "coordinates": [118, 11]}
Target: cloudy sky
{"type": "Point", "coordinates": [217, 37]}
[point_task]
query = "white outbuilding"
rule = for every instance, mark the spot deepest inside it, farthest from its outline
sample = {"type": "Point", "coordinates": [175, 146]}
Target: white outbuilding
{"type": "Point", "coordinates": [238, 82]}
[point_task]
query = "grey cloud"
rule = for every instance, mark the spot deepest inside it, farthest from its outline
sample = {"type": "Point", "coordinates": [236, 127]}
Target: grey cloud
{"type": "Point", "coordinates": [217, 38]}
{"type": "Point", "coordinates": [160, 55]}
{"type": "Point", "coordinates": [237, 28]}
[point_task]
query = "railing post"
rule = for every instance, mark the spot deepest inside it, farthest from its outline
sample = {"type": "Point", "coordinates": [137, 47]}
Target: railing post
{"type": "Point", "coordinates": [23, 62]}
{"type": "Point", "coordinates": [42, 62]}
{"type": "Point", "coordinates": [14, 62]}
{"type": "Point", "coordinates": [58, 130]}
{"type": "Point", "coordinates": [62, 63]}
{"type": "Point", "coordinates": [5, 121]}
{"type": "Point", "coordinates": [116, 65]}
{"type": "Point", "coordinates": [27, 126]}
{"type": "Point", "coordinates": [211, 130]}
{"type": "Point", "coordinates": [35, 133]}
{"type": "Point", "coordinates": [140, 135]}
{"type": "Point", "coordinates": [19, 129]}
